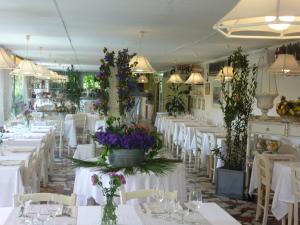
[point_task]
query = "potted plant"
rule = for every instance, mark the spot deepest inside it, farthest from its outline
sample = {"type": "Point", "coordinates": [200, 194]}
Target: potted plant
{"type": "Point", "coordinates": [126, 145]}
{"type": "Point", "coordinates": [175, 101]}
{"type": "Point", "coordinates": [237, 105]}
{"type": "Point", "coordinates": [73, 88]}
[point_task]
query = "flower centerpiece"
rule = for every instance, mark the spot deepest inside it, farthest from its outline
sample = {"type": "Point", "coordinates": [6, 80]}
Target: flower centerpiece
{"type": "Point", "coordinates": [109, 216]}
{"type": "Point", "coordinates": [128, 149]}
{"type": "Point", "coordinates": [126, 146]}
{"type": "Point", "coordinates": [27, 116]}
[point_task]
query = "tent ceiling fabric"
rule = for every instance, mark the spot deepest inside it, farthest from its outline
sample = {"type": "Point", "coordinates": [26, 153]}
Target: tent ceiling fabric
{"type": "Point", "coordinates": [177, 31]}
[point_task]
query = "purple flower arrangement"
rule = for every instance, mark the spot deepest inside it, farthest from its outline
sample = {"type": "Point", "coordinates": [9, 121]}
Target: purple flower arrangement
{"type": "Point", "coordinates": [134, 137]}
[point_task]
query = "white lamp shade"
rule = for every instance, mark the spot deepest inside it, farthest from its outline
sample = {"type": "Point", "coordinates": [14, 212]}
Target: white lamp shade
{"type": "Point", "coordinates": [285, 64]}
{"type": "Point", "coordinates": [142, 79]}
{"type": "Point", "coordinates": [267, 19]}
{"type": "Point", "coordinates": [142, 66]}
{"type": "Point", "coordinates": [6, 62]}
{"type": "Point", "coordinates": [175, 79]}
{"type": "Point", "coordinates": [43, 72]}
{"type": "Point", "coordinates": [195, 78]}
{"type": "Point", "coordinates": [226, 73]}
{"type": "Point", "coordinates": [26, 68]}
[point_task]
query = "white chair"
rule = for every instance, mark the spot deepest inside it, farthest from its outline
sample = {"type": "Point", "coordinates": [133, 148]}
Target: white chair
{"type": "Point", "coordinates": [44, 197]}
{"type": "Point", "coordinates": [296, 192]}
{"type": "Point", "coordinates": [264, 164]}
{"type": "Point", "coordinates": [59, 133]}
{"type": "Point", "coordinates": [199, 141]}
{"type": "Point", "coordinates": [80, 120]}
{"type": "Point", "coordinates": [144, 193]}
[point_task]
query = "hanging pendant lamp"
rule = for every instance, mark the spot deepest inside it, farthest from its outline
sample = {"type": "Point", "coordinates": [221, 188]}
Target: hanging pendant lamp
{"type": "Point", "coordinates": [6, 62]}
{"type": "Point", "coordinates": [143, 79]}
{"type": "Point", "coordinates": [195, 78]}
{"type": "Point", "coordinates": [140, 63]}
{"type": "Point", "coordinates": [267, 19]}
{"type": "Point", "coordinates": [226, 73]}
{"type": "Point", "coordinates": [285, 64]}
{"type": "Point", "coordinates": [175, 79]}
{"type": "Point", "coordinates": [26, 67]}
{"type": "Point", "coordinates": [43, 72]}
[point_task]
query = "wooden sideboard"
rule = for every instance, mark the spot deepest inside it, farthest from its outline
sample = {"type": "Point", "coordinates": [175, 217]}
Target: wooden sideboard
{"type": "Point", "coordinates": [272, 126]}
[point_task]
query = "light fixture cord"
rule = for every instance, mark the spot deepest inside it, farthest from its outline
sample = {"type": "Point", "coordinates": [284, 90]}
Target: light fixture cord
{"type": "Point", "coordinates": [27, 42]}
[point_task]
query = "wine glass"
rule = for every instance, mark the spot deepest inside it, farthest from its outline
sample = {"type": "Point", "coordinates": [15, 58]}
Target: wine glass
{"type": "Point", "coordinates": [42, 215]}
{"type": "Point", "coordinates": [178, 210]}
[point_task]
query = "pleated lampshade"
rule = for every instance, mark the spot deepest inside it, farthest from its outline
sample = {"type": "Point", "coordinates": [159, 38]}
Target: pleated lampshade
{"type": "Point", "coordinates": [195, 78]}
{"type": "Point", "coordinates": [142, 79]}
{"type": "Point", "coordinates": [285, 64]}
{"type": "Point", "coordinates": [226, 73]}
{"type": "Point", "coordinates": [142, 66]}
{"type": "Point", "coordinates": [267, 19]}
{"type": "Point", "coordinates": [175, 79]}
{"type": "Point", "coordinates": [6, 62]}
{"type": "Point", "coordinates": [26, 68]}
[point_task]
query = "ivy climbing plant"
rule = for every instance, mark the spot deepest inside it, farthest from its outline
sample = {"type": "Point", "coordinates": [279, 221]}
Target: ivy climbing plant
{"type": "Point", "coordinates": [73, 87]}
{"type": "Point", "coordinates": [101, 93]}
{"type": "Point", "coordinates": [237, 105]}
{"type": "Point", "coordinates": [124, 75]}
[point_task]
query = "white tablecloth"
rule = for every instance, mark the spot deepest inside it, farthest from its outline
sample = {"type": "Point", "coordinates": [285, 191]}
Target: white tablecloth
{"type": "Point", "coordinates": [11, 183]}
{"type": "Point", "coordinates": [174, 180]}
{"type": "Point", "coordinates": [281, 185]}
{"type": "Point", "coordinates": [84, 152]}
{"type": "Point", "coordinates": [132, 215]}
{"type": "Point", "coordinates": [70, 133]}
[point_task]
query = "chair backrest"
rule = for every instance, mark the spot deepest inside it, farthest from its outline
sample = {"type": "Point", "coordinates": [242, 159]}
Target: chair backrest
{"type": "Point", "coordinates": [296, 180]}
{"type": "Point", "coordinates": [199, 139]}
{"type": "Point", "coordinates": [80, 120]}
{"type": "Point", "coordinates": [44, 197]}
{"type": "Point", "coordinates": [264, 170]}
{"type": "Point", "coordinates": [145, 193]}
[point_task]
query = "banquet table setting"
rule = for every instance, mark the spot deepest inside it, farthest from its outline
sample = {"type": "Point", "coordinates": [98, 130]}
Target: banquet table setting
{"type": "Point", "coordinates": [150, 112]}
{"type": "Point", "coordinates": [206, 214]}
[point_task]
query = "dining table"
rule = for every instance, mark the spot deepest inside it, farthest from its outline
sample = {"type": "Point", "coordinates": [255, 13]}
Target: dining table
{"type": "Point", "coordinates": [281, 186]}
{"type": "Point", "coordinates": [26, 155]}
{"type": "Point", "coordinates": [207, 214]}
{"type": "Point", "coordinates": [172, 181]}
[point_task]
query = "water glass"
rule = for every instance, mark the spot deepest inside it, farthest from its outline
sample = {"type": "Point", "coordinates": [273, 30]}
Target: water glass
{"type": "Point", "coordinates": [196, 197]}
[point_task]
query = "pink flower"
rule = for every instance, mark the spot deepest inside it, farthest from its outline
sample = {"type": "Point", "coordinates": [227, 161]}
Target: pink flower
{"type": "Point", "coordinates": [119, 176]}
{"type": "Point", "coordinates": [95, 179]}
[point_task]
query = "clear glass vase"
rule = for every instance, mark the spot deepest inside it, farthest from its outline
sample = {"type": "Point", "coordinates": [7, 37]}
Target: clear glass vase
{"type": "Point", "coordinates": [109, 216]}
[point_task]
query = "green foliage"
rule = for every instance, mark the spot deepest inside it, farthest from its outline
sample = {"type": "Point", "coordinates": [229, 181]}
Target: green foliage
{"type": "Point", "coordinates": [237, 105]}
{"type": "Point", "coordinates": [158, 166]}
{"type": "Point", "coordinates": [73, 88]}
{"type": "Point", "coordinates": [89, 82]}
{"type": "Point", "coordinates": [175, 101]}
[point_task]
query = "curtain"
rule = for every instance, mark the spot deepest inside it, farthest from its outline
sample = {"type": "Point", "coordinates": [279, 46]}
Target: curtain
{"type": "Point", "coordinates": [6, 89]}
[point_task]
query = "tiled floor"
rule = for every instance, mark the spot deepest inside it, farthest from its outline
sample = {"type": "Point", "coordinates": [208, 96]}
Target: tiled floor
{"type": "Point", "coordinates": [62, 179]}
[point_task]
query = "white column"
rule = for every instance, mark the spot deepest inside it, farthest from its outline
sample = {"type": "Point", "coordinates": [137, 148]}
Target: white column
{"type": "Point", "coordinates": [5, 95]}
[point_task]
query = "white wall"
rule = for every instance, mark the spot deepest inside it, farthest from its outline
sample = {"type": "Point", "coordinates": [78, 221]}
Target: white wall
{"type": "Point", "coordinates": [287, 86]}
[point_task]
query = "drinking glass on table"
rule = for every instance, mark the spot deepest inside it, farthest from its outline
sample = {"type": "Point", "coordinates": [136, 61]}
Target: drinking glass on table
{"type": "Point", "coordinates": [42, 215]}
{"type": "Point", "coordinates": [196, 198]}
{"type": "Point", "coordinates": [178, 210]}
{"type": "Point", "coordinates": [54, 209]}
